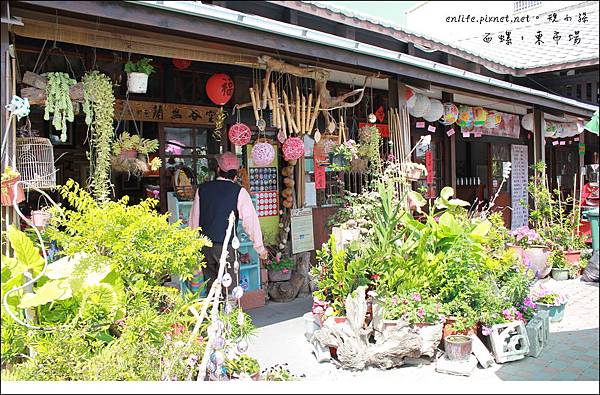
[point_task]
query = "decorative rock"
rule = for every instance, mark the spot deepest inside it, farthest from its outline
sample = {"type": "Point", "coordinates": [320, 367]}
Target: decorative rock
{"type": "Point", "coordinates": [322, 353]}
{"type": "Point", "coordinates": [538, 331]}
{"type": "Point", "coordinates": [509, 341]}
{"type": "Point", "coordinates": [460, 368]}
{"type": "Point", "coordinates": [286, 291]}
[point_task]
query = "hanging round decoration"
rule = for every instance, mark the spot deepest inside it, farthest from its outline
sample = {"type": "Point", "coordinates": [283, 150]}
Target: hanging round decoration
{"type": "Point", "coordinates": [181, 64]}
{"type": "Point", "coordinates": [263, 154]}
{"type": "Point", "coordinates": [420, 107]}
{"type": "Point", "coordinates": [527, 121]}
{"type": "Point", "coordinates": [436, 110]}
{"type": "Point", "coordinates": [293, 148]}
{"type": "Point", "coordinates": [281, 136]}
{"type": "Point", "coordinates": [450, 114]}
{"type": "Point", "coordinates": [479, 116]}
{"type": "Point", "coordinates": [410, 97]}
{"type": "Point", "coordinates": [493, 119]}
{"type": "Point", "coordinates": [239, 134]}
{"type": "Point", "coordinates": [551, 129]}
{"type": "Point", "coordinates": [219, 88]}
{"type": "Point", "coordinates": [372, 118]}
{"type": "Point", "coordinates": [465, 116]}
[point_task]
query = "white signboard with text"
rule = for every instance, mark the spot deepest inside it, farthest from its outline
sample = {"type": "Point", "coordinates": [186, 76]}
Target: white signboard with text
{"type": "Point", "coordinates": [302, 230]}
{"type": "Point", "coordinates": [519, 178]}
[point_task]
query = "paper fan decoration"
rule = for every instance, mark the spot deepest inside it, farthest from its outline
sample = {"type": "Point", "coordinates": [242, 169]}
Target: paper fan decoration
{"type": "Point", "coordinates": [450, 114]}
{"type": "Point", "coordinates": [527, 121]}
{"type": "Point", "coordinates": [293, 148]}
{"type": "Point", "coordinates": [436, 110]}
{"type": "Point", "coordinates": [263, 154]}
{"type": "Point", "coordinates": [465, 116]}
{"type": "Point", "coordinates": [479, 116]}
{"type": "Point", "coordinates": [493, 119]}
{"type": "Point", "coordinates": [551, 129]}
{"type": "Point", "coordinates": [420, 107]}
{"type": "Point", "coordinates": [239, 134]}
{"type": "Point", "coordinates": [410, 97]}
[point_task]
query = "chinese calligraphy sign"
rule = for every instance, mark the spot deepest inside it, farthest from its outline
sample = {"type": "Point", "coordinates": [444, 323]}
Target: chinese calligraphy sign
{"type": "Point", "coordinates": [166, 112]}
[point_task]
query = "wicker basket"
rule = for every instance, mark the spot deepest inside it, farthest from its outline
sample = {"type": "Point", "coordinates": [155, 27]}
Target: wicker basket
{"type": "Point", "coordinates": [182, 184]}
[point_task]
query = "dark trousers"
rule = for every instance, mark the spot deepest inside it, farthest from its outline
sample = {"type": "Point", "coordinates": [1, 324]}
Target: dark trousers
{"type": "Point", "coordinates": [212, 255]}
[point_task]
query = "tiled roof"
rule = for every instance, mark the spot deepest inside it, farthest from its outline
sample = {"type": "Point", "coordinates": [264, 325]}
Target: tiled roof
{"type": "Point", "coordinates": [522, 54]}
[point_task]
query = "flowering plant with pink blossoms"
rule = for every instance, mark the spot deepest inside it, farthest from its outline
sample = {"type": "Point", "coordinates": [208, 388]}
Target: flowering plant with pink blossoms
{"type": "Point", "coordinates": [415, 308]}
{"type": "Point", "coordinates": [525, 237]}
{"type": "Point", "coordinates": [541, 295]}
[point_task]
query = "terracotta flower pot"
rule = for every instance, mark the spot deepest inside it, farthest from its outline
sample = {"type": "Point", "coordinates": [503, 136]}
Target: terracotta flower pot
{"type": "Point", "coordinates": [573, 256]}
{"type": "Point", "coordinates": [449, 329]}
{"type": "Point", "coordinates": [10, 191]}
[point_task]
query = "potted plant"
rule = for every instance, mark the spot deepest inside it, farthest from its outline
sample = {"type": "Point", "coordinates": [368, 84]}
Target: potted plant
{"type": "Point", "coordinates": [341, 156]}
{"type": "Point", "coordinates": [532, 250]}
{"type": "Point", "coordinates": [280, 269]}
{"type": "Point", "coordinates": [553, 302]}
{"type": "Point", "coordinates": [129, 146]}
{"type": "Point", "coordinates": [137, 75]}
{"type": "Point", "coordinates": [41, 217]}
{"type": "Point", "coordinates": [560, 270]}
{"type": "Point", "coordinates": [414, 171]}
{"type": "Point", "coordinates": [10, 177]}
{"type": "Point", "coordinates": [244, 366]}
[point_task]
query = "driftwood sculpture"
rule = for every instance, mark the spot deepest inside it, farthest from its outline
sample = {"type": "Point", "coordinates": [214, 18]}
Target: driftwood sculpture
{"type": "Point", "coordinates": [352, 339]}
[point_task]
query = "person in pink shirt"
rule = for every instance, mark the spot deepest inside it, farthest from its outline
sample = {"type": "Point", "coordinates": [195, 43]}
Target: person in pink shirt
{"type": "Point", "coordinates": [213, 202]}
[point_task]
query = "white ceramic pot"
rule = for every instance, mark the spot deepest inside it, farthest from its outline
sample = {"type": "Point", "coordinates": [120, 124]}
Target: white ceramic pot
{"type": "Point", "coordinates": [137, 82]}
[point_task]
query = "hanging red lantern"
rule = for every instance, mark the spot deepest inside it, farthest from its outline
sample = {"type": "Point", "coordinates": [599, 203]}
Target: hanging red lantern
{"type": "Point", "coordinates": [181, 64]}
{"type": "Point", "coordinates": [293, 148]}
{"type": "Point", "coordinates": [219, 88]}
{"type": "Point", "coordinates": [239, 134]}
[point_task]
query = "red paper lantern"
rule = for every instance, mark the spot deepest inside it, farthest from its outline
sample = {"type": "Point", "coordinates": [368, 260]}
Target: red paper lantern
{"type": "Point", "coordinates": [181, 64]}
{"type": "Point", "coordinates": [219, 88]}
{"type": "Point", "coordinates": [293, 148]}
{"type": "Point", "coordinates": [239, 134]}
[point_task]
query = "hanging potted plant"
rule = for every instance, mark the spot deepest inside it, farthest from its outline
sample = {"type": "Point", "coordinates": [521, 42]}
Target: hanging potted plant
{"type": "Point", "coordinates": [41, 217]}
{"type": "Point", "coordinates": [126, 150]}
{"type": "Point", "coordinates": [10, 177]}
{"type": "Point", "coordinates": [341, 155]}
{"type": "Point", "coordinates": [137, 75]}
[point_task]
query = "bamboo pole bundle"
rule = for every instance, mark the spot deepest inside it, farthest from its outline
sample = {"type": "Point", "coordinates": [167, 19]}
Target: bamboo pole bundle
{"type": "Point", "coordinates": [298, 110]}
{"type": "Point", "coordinates": [282, 122]}
{"type": "Point", "coordinates": [275, 106]}
{"type": "Point", "coordinates": [308, 110]}
{"type": "Point", "coordinates": [258, 97]}
{"type": "Point", "coordinates": [315, 115]}
{"type": "Point", "coordinates": [290, 120]}
{"type": "Point", "coordinates": [254, 104]}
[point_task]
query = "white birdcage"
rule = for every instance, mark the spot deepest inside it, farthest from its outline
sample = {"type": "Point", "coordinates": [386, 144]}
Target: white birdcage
{"type": "Point", "coordinates": [35, 162]}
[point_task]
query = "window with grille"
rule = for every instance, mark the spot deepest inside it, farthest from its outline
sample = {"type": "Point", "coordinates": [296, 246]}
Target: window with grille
{"type": "Point", "coordinates": [525, 5]}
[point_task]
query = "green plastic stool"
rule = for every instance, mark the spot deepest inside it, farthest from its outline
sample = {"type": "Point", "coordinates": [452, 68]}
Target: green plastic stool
{"type": "Point", "coordinates": [593, 215]}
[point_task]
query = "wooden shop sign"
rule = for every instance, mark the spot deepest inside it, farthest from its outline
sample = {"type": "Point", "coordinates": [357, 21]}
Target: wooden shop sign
{"type": "Point", "coordinates": [165, 112]}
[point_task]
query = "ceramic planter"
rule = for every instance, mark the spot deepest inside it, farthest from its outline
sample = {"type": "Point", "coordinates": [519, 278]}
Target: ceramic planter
{"type": "Point", "coordinates": [458, 347]}
{"type": "Point", "coordinates": [279, 275]}
{"type": "Point", "coordinates": [11, 191]}
{"type": "Point", "coordinates": [40, 218]}
{"type": "Point", "coordinates": [537, 257]}
{"type": "Point", "coordinates": [560, 274]}
{"type": "Point", "coordinates": [556, 313]}
{"type": "Point", "coordinates": [137, 82]}
{"type": "Point", "coordinates": [339, 160]}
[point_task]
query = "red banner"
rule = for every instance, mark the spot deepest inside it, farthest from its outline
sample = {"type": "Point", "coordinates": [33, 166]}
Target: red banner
{"type": "Point", "coordinates": [319, 175]}
{"type": "Point", "coordinates": [429, 166]}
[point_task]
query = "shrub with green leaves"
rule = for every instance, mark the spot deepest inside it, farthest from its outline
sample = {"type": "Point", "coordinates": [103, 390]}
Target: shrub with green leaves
{"type": "Point", "coordinates": [141, 66]}
{"type": "Point", "coordinates": [140, 243]}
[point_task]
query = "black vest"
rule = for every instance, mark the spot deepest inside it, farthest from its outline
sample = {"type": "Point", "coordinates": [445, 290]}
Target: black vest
{"type": "Point", "coordinates": [217, 199]}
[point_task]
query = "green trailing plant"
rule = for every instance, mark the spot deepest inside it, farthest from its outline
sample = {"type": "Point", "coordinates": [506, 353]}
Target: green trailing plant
{"type": "Point", "coordinates": [370, 141]}
{"type": "Point", "coordinates": [128, 142]}
{"type": "Point", "coordinates": [58, 101]}
{"type": "Point", "coordinates": [243, 364]}
{"type": "Point", "coordinates": [141, 66]}
{"type": "Point", "coordinates": [140, 243]}
{"type": "Point", "coordinates": [98, 106]}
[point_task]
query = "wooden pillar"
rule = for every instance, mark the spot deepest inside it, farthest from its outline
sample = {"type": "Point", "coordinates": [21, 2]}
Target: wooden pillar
{"type": "Point", "coordinates": [449, 160]}
{"type": "Point", "coordinates": [539, 142]}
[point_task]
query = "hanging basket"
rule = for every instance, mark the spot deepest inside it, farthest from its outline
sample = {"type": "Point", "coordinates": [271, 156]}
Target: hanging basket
{"type": "Point", "coordinates": [35, 162]}
{"type": "Point", "coordinates": [9, 191]}
{"type": "Point", "coordinates": [359, 165]}
{"type": "Point", "coordinates": [40, 218]}
{"type": "Point", "coordinates": [137, 82]}
{"type": "Point", "coordinates": [129, 154]}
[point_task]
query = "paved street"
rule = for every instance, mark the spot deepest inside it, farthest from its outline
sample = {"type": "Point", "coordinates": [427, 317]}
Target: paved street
{"type": "Point", "coordinates": [572, 353]}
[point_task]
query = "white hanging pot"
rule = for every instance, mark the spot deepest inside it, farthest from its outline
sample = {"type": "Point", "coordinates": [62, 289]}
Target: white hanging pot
{"type": "Point", "coordinates": [137, 82]}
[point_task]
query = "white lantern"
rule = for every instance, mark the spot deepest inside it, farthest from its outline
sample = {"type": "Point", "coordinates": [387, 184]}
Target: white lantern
{"type": "Point", "coordinates": [421, 106]}
{"type": "Point", "coordinates": [527, 121]}
{"type": "Point", "coordinates": [410, 97]}
{"type": "Point", "coordinates": [436, 110]}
